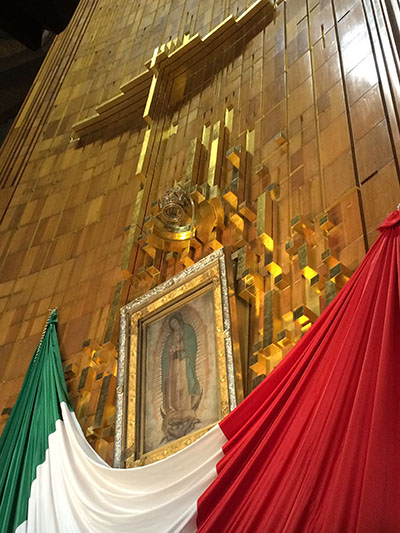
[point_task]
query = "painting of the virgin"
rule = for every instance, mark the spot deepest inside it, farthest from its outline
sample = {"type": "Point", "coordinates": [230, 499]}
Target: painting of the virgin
{"type": "Point", "coordinates": [181, 388]}
{"type": "Point", "coordinates": [182, 393]}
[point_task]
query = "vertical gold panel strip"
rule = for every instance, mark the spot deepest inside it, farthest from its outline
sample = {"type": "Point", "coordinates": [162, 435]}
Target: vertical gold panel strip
{"type": "Point", "coordinates": [143, 151]}
{"type": "Point", "coordinates": [149, 102]}
{"type": "Point", "coordinates": [268, 319]}
{"type": "Point", "coordinates": [229, 118]}
{"type": "Point", "coordinates": [264, 220]}
{"type": "Point", "coordinates": [215, 164]}
{"type": "Point", "coordinates": [106, 399]}
{"type": "Point", "coordinates": [192, 168]}
{"type": "Point", "coordinates": [205, 137]}
{"type": "Point", "coordinates": [250, 138]}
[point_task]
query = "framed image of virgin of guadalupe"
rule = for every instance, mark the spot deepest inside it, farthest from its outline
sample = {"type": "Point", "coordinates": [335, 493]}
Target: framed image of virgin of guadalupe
{"type": "Point", "coordinates": [178, 373]}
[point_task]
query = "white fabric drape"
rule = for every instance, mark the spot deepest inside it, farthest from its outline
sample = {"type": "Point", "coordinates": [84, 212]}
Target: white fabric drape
{"type": "Point", "coordinates": [75, 491]}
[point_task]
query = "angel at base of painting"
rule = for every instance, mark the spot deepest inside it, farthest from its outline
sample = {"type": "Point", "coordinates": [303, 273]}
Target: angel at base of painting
{"type": "Point", "coordinates": [180, 386]}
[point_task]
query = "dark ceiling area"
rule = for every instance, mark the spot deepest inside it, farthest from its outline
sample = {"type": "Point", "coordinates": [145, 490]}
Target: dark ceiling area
{"type": "Point", "coordinates": [18, 68]}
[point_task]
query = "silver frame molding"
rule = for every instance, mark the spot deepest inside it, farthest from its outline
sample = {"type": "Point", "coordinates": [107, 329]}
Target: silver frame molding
{"type": "Point", "coordinates": [124, 334]}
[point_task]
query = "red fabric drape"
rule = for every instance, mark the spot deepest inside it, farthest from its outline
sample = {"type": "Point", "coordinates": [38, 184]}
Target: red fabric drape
{"type": "Point", "coordinates": [316, 447]}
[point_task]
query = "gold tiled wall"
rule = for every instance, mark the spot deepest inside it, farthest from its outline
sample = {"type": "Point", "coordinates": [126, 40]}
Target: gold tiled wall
{"type": "Point", "coordinates": [300, 101]}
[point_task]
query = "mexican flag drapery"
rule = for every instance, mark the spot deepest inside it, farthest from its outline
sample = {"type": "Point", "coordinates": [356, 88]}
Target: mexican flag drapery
{"type": "Point", "coordinates": [316, 447]}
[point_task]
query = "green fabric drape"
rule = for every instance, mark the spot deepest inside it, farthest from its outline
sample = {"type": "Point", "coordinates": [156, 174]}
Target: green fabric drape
{"type": "Point", "coordinates": [24, 441]}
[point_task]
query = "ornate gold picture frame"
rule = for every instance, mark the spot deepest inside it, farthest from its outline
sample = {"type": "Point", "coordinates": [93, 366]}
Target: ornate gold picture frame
{"type": "Point", "coordinates": [177, 371]}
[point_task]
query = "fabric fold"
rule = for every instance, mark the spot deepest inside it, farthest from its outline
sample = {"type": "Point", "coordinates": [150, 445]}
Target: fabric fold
{"type": "Point", "coordinates": [313, 448]}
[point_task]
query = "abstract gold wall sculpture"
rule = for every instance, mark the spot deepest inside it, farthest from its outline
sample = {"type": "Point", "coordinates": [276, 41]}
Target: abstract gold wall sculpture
{"type": "Point", "coordinates": [279, 121]}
